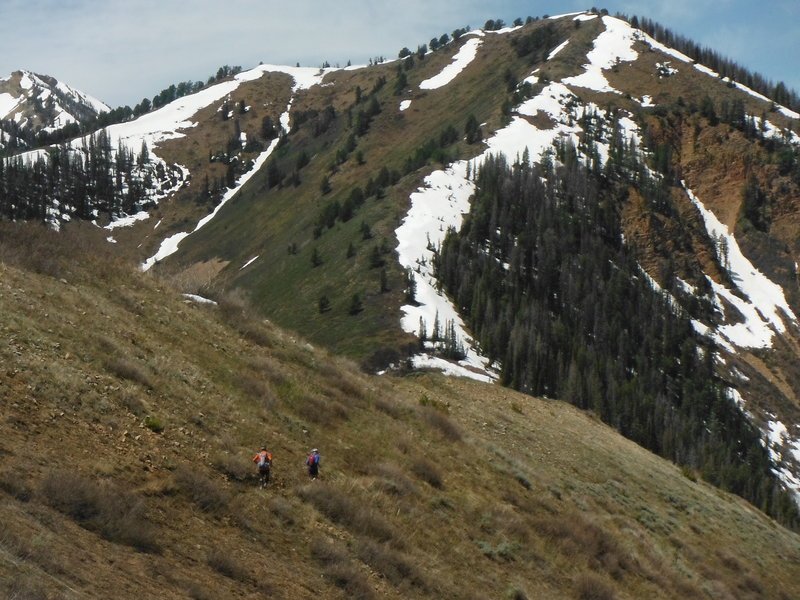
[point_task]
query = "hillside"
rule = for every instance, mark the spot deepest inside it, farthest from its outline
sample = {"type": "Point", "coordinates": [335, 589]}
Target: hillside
{"type": "Point", "coordinates": [132, 413]}
{"type": "Point", "coordinates": [381, 160]}
{"type": "Point", "coordinates": [650, 275]}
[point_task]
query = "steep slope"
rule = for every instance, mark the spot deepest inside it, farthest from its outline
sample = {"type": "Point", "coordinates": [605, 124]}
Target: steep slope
{"type": "Point", "coordinates": [296, 188]}
{"type": "Point", "coordinates": [132, 413]}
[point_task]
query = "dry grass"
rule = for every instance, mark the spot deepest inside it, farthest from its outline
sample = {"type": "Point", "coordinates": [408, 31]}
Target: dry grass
{"type": "Point", "coordinates": [583, 540]}
{"type": "Point", "coordinates": [234, 466]}
{"type": "Point", "coordinates": [391, 479]}
{"type": "Point", "coordinates": [590, 586]}
{"type": "Point", "coordinates": [406, 523]}
{"type": "Point", "coordinates": [14, 484]}
{"type": "Point", "coordinates": [322, 411]}
{"type": "Point", "coordinates": [114, 513]}
{"type": "Point", "coordinates": [125, 368]}
{"type": "Point", "coordinates": [258, 389]}
{"type": "Point", "coordinates": [224, 562]}
{"type": "Point", "coordinates": [427, 472]}
{"type": "Point", "coordinates": [283, 510]}
{"type": "Point", "coordinates": [209, 495]}
{"type": "Point", "coordinates": [347, 510]}
{"type": "Point", "coordinates": [441, 423]}
{"type": "Point", "coordinates": [340, 569]}
{"type": "Point", "coordinates": [398, 568]}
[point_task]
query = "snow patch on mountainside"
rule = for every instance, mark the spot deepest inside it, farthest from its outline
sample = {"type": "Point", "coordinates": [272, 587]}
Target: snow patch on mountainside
{"type": "Point", "coordinates": [612, 46]}
{"type": "Point", "coordinates": [763, 304]}
{"type": "Point", "coordinates": [460, 62]}
{"type": "Point", "coordinates": [170, 245]}
{"type": "Point", "coordinates": [7, 104]}
{"type": "Point", "coordinates": [303, 78]}
{"type": "Point", "coordinates": [170, 121]}
{"type": "Point", "coordinates": [772, 131]}
{"type": "Point", "coordinates": [783, 447]}
{"type": "Point", "coordinates": [554, 52]}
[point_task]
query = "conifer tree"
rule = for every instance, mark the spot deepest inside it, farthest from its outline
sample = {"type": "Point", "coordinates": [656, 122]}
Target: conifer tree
{"type": "Point", "coordinates": [356, 305]}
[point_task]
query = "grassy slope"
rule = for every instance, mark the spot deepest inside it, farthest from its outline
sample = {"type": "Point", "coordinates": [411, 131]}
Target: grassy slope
{"type": "Point", "coordinates": [265, 222]}
{"type": "Point", "coordinates": [431, 487]}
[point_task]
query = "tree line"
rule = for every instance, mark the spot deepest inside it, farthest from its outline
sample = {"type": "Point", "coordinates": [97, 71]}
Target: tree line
{"type": "Point", "coordinates": [779, 92]}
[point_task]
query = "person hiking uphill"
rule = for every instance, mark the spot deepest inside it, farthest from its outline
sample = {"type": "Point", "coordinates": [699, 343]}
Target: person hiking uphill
{"type": "Point", "coordinates": [263, 461]}
{"type": "Point", "coordinates": [313, 463]}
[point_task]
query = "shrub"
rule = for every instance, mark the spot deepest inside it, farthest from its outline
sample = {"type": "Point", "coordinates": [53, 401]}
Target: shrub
{"type": "Point", "coordinates": [204, 492]}
{"type": "Point", "coordinates": [233, 304]}
{"type": "Point", "coordinates": [14, 484]}
{"type": "Point", "coordinates": [592, 587]}
{"type": "Point", "coordinates": [347, 511]}
{"type": "Point", "coordinates": [395, 566]}
{"type": "Point", "coordinates": [255, 332]}
{"type": "Point", "coordinates": [327, 551]}
{"type": "Point", "coordinates": [125, 368]}
{"type": "Point", "coordinates": [392, 479]}
{"type": "Point", "coordinates": [427, 471]}
{"type": "Point", "coordinates": [132, 402]}
{"type": "Point", "coordinates": [283, 509]}
{"type": "Point", "coordinates": [438, 420]}
{"type": "Point", "coordinates": [117, 515]}
{"type": "Point", "coordinates": [523, 480]}
{"type": "Point", "coordinates": [348, 577]}
{"type": "Point", "coordinates": [319, 410]}
{"type": "Point", "coordinates": [154, 424]}
{"type": "Point", "coordinates": [516, 593]}
{"type": "Point", "coordinates": [233, 467]}
{"type": "Point", "coordinates": [199, 592]}
{"type": "Point", "coordinates": [223, 562]}
{"type": "Point", "coordinates": [579, 537]}
{"type": "Point", "coordinates": [502, 551]}
{"type": "Point", "coordinates": [258, 389]}
{"type": "Point", "coordinates": [426, 400]}
{"type": "Point", "coordinates": [340, 569]}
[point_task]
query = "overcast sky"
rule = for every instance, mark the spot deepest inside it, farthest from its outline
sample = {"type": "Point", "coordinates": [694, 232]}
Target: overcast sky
{"type": "Point", "coordinates": [121, 51]}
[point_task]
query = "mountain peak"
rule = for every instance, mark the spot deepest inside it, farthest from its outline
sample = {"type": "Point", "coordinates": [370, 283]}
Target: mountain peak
{"type": "Point", "coordinates": [42, 102]}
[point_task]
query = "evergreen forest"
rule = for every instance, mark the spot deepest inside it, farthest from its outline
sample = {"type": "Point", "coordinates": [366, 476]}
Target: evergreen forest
{"type": "Point", "coordinates": [91, 181]}
{"type": "Point", "coordinates": [540, 271]}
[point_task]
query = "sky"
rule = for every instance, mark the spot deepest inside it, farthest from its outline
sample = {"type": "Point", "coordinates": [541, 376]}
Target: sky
{"type": "Point", "coordinates": [121, 51]}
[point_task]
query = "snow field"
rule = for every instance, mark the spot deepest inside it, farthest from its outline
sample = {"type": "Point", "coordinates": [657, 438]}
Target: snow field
{"type": "Point", "coordinates": [612, 46]}
{"type": "Point", "coordinates": [7, 104]}
{"type": "Point", "coordinates": [170, 245]}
